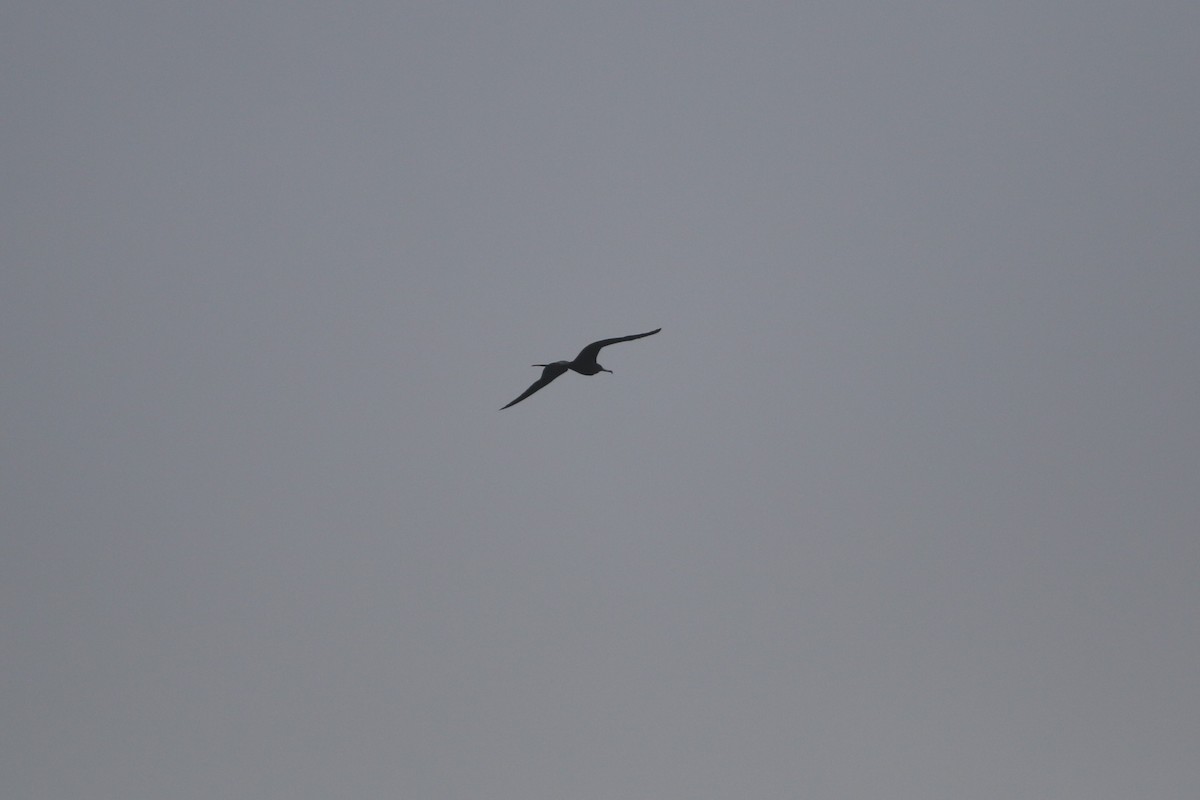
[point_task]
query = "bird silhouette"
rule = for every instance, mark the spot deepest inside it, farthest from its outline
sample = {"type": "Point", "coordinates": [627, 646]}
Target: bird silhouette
{"type": "Point", "coordinates": [584, 363]}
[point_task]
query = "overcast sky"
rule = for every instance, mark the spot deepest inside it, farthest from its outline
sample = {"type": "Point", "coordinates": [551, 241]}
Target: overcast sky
{"type": "Point", "coordinates": [903, 502]}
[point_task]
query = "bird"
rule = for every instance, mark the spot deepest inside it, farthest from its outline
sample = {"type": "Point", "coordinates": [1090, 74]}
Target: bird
{"type": "Point", "coordinates": [585, 364]}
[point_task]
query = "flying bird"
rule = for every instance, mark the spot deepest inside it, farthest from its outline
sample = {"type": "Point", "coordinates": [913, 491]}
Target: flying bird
{"type": "Point", "coordinates": [584, 363]}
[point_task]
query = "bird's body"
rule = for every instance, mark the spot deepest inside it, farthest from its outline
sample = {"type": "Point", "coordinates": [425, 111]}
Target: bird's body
{"type": "Point", "coordinates": [585, 364]}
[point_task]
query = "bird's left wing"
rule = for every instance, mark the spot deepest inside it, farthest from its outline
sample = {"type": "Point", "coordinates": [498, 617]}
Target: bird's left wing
{"type": "Point", "coordinates": [592, 351]}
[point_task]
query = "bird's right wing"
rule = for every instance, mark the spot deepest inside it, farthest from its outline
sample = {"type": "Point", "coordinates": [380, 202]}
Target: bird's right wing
{"type": "Point", "coordinates": [551, 372]}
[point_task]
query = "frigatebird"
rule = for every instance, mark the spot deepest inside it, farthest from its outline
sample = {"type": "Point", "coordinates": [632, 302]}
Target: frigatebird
{"type": "Point", "coordinates": [584, 363]}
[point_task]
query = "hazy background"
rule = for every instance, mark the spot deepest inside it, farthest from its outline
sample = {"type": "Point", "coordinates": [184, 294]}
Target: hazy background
{"type": "Point", "coordinates": [901, 503]}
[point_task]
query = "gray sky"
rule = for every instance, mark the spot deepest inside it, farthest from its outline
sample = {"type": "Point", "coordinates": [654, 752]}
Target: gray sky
{"type": "Point", "coordinates": [902, 502]}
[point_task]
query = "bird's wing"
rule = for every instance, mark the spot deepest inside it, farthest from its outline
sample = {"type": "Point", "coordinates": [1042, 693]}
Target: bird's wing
{"type": "Point", "coordinates": [592, 351]}
{"type": "Point", "coordinates": [551, 372]}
